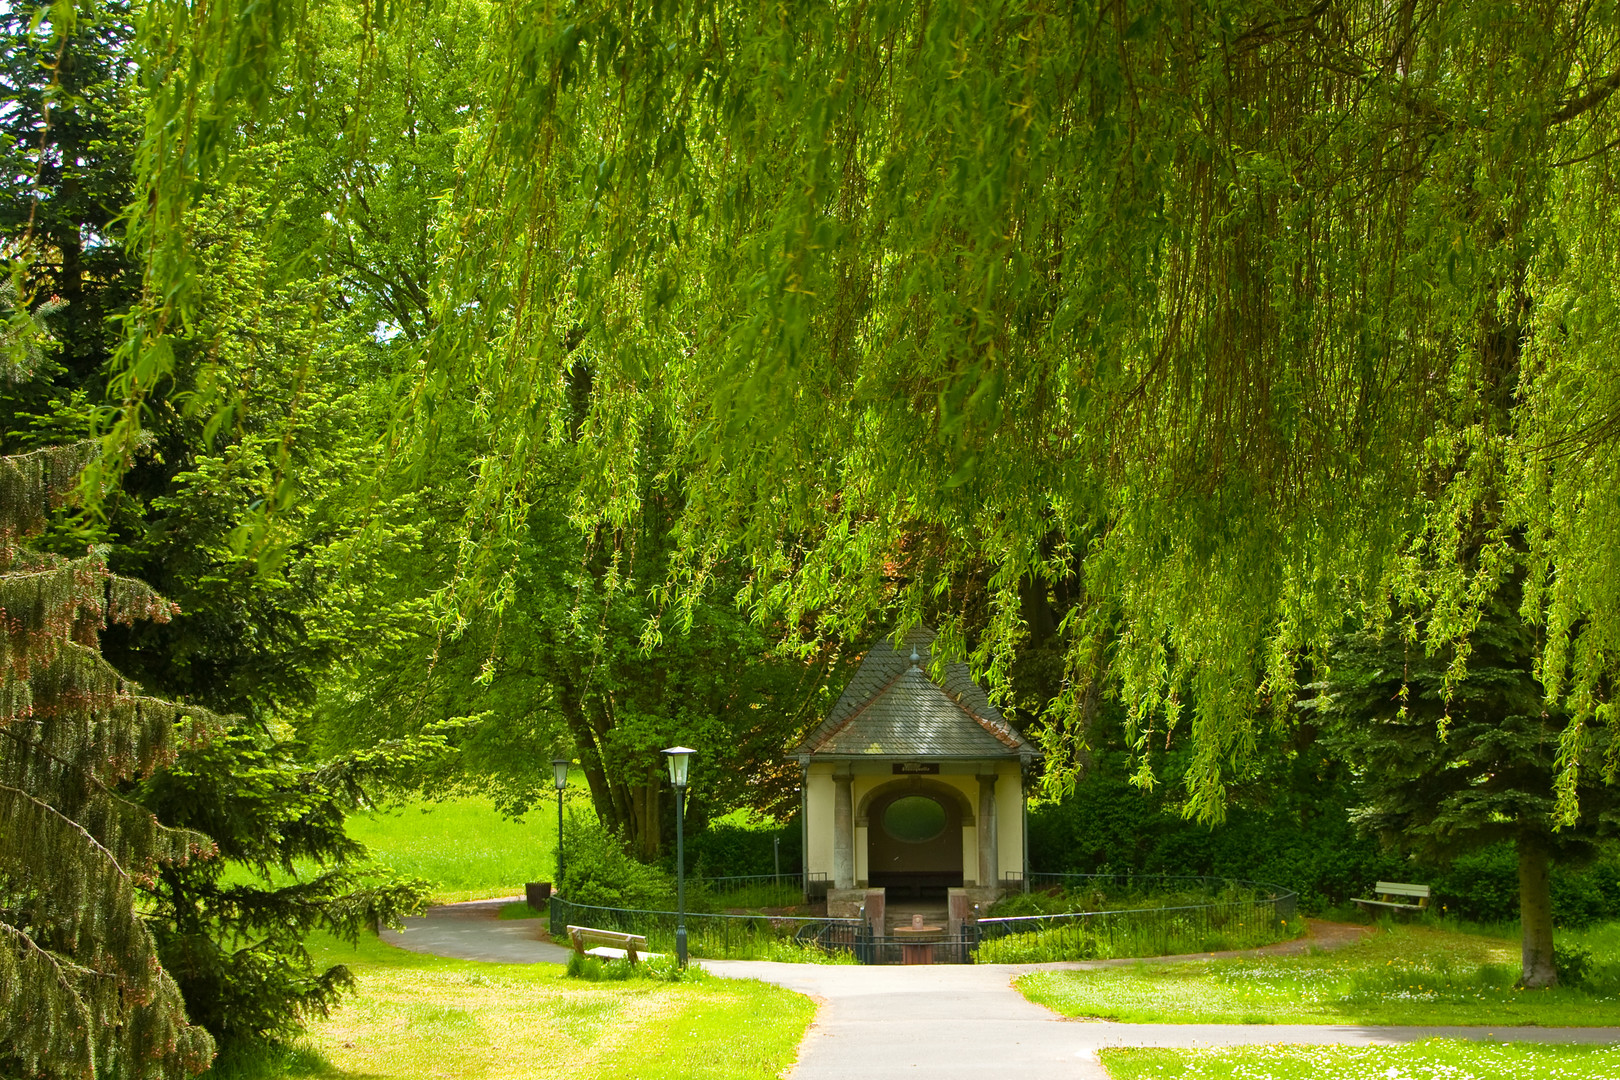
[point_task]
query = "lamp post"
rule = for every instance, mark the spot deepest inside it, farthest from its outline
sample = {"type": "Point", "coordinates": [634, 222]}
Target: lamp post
{"type": "Point", "coordinates": [679, 758]}
{"type": "Point", "coordinates": [559, 769]}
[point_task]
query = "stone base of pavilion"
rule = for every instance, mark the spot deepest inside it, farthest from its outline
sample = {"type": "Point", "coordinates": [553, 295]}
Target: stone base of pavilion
{"type": "Point", "coordinates": [964, 905]}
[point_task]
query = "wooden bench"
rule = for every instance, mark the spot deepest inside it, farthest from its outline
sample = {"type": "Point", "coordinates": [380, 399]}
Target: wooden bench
{"type": "Point", "coordinates": [609, 944]}
{"type": "Point", "coordinates": [1388, 890]}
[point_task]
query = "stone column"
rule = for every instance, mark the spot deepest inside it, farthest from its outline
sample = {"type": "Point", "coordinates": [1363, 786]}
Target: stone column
{"type": "Point", "coordinates": [989, 856]}
{"type": "Point", "coordinates": [843, 832]}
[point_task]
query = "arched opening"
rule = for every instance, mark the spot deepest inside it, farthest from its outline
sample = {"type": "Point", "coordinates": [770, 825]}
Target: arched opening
{"type": "Point", "coordinates": [914, 839]}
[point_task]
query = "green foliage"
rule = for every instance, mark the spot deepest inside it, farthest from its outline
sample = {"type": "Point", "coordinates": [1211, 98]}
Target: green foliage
{"type": "Point", "coordinates": [79, 968]}
{"type": "Point", "coordinates": [1446, 766]}
{"type": "Point", "coordinates": [234, 941]}
{"type": "Point", "coordinates": [743, 848]}
{"type": "Point", "coordinates": [1290, 825]}
{"type": "Point", "coordinates": [1574, 964]}
{"type": "Point", "coordinates": [1484, 887]}
{"type": "Point", "coordinates": [1108, 826]}
{"type": "Point", "coordinates": [69, 130]}
{"type": "Point", "coordinates": [1448, 763]}
{"type": "Point", "coordinates": [599, 872]}
{"type": "Point", "coordinates": [1214, 322]}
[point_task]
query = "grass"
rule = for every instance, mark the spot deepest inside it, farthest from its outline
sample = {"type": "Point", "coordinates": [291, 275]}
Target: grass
{"type": "Point", "coordinates": [1133, 934]}
{"type": "Point", "coordinates": [757, 896]}
{"type": "Point", "coordinates": [463, 846]}
{"type": "Point", "coordinates": [1450, 1059]}
{"type": "Point", "coordinates": [419, 1017]}
{"type": "Point", "coordinates": [1121, 895]}
{"type": "Point", "coordinates": [1399, 975]}
{"type": "Point", "coordinates": [468, 851]}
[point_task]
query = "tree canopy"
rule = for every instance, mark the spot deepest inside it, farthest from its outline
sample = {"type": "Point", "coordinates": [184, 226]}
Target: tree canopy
{"type": "Point", "coordinates": [1442, 774]}
{"type": "Point", "coordinates": [1236, 315]}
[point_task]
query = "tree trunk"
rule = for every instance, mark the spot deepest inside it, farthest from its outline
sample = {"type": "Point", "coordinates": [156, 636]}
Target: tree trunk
{"type": "Point", "coordinates": [1535, 912]}
{"type": "Point", "coordinates": [632, 810]}
{"type": "Point", "coordinates": [590, 756]}
{"type": "Point", "coordinates": [645, 831]}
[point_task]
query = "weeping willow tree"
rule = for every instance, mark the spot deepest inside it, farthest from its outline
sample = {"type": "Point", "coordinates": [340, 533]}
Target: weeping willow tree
{"type": "Point", "coordinates": [1232, 316]}
{"type": "Point", "coordinates": [85, 995]}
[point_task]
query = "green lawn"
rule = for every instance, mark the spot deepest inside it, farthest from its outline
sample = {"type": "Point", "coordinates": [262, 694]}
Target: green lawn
{"type": "Point", "coordinates": [466, 849]}
{"type": "Point", "coordinates": [1401, 975]}
{"type": "Point", "coordinates": [1435, 1059]}
{"type": "Point", "coordinates": [418, 1016]}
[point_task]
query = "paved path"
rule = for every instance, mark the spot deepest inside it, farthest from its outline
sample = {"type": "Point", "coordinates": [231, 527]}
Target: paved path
{"type": "Point", "coordinates": [472, 932]}
{"type": "Point", "coordinates": [954, 1022]}
{"type": "Point", "coordinates": [966, 1021]}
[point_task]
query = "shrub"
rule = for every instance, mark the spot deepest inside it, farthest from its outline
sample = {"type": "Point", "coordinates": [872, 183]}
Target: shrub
{"type": "Point", "coordinates": [1484, 887]}
{"type": "Point", "coordinates": [1574, 964]}
{"type": "Point", "coordinates": [1108, 826]}
{"type": "Point", "coordinates": [600, 872]}
{"type": "Point", "coordinates": [735, 848]}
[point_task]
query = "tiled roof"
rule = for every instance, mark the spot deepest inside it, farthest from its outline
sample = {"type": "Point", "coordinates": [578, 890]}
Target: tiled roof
{"type": "Point", "coordinates": [891, 708]}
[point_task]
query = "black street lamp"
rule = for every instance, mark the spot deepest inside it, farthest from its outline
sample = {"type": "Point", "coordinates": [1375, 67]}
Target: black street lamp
{"type": "Point", "coordinates": [679, 758]}
{"type": "Point", "coordinates": [559, 769]}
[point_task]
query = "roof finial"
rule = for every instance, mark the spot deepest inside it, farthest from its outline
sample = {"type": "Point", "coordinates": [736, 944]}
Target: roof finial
{"type": "Point", "coordinates": [914, 656]}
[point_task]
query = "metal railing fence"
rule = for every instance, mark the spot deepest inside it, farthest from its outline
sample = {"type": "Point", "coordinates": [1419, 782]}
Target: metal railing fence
{"type": "Point", "coordinates": [782, 889]}
{"type": "Point", "coordinates": [710, 935]}
{"type": "Point", "coordinates": [1238, 911]}
{"type": "Point", "coordinates": [1237, 914]}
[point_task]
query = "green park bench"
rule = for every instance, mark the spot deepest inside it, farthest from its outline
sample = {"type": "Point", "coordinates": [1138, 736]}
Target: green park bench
{"type": "Point", "coordinates": [609, 944]}
{"type": "Point", "coordinates": [1389, 891]}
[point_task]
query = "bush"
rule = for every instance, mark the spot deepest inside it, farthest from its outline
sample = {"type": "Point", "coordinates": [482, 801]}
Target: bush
{"type": "Point", "coordinates": [1484, 887]}
{"type": "Point", "coordinates": [1573, 964]}
{"type": "Point", "coordinates": [598, 870]}
{"type": "Point", "coordinates": [733, 848]}
{"type": "Point", "coordinates": [1108, 826]}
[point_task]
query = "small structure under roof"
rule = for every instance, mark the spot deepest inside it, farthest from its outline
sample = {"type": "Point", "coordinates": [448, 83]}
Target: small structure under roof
{"type": "Point", "coordinates": [908, 779]}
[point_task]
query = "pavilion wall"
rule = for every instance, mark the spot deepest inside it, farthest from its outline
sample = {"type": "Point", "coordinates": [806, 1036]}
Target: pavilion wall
{"type": "Point", "coordinates": [867, 777]}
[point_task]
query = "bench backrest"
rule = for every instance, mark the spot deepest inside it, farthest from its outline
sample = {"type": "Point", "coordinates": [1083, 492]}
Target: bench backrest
{"type": "Point", "coordinates": [1398, 888]}
{"type": "Point", "coordinates": [586, 935]}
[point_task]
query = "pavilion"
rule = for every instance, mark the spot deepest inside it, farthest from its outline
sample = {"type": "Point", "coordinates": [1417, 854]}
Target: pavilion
{"type": "Point", "coordinates": [913, 784]}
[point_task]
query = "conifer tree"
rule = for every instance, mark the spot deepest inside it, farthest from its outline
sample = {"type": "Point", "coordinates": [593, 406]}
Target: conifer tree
{"type": "Point", "coordinates": [85, 994]}
{"type": "Point", "coordinates": [1442, 772]}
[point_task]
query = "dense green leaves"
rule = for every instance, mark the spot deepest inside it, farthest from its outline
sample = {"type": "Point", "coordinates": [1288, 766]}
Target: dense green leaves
{"type": "Point", "coordinates": [78, 965]}
{"type": "Point", "coordinates": [1448, 766]}
{"type": "Point", "coordinates": [231, 931]}
{"type": "Point", "coordinates": [1216, 308]}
